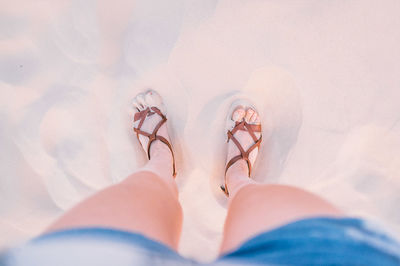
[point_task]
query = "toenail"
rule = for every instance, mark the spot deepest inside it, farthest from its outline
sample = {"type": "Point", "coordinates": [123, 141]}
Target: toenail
{"type": "Point", "coordinates": [238, 114]}
{"type": "Point", "coordinates": [248, 116]}
{"type": "Point", "coordinates": [254, 117]}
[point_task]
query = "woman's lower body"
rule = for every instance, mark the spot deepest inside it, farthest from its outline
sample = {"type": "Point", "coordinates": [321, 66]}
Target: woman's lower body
{"type": "Point", "coordinates": [144, 203]}
{"type": "Point", "coordinates": [272, 223]}
{"type": "Point", "coordinates": [138, 222]}
{"type": "Point", "coordinates": [147, 201]}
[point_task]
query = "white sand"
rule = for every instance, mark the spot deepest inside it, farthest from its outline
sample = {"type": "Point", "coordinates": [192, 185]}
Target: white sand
{"type": "Point", "coordinates": [324, 74]}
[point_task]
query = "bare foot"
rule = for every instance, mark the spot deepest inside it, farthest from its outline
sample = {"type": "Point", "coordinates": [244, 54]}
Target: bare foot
{"type": "Point", "coordinates": [142, 102]}
{"type": "Point", "coordinates": [246, 115]}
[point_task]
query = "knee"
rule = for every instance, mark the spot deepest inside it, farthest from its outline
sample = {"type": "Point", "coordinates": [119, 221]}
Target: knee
{"type": "Point", "coordinates": [152, 181]}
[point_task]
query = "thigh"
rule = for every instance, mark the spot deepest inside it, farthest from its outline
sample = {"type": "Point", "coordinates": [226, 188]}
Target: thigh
{"type": "Point", "coordinates": [142, 203]}
{"type": "Point", "coordinates": [92, 246]}
{"type": "Point", "coordinates": [319, 241]}
{"type": "Point", "coordinates": [257, 208]}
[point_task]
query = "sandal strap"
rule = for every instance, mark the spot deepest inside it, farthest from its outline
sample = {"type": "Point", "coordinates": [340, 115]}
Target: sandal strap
{"type": "Point", "coordinates": [244, 126]}
{"type": "Point", "coordinates": [142, 115]}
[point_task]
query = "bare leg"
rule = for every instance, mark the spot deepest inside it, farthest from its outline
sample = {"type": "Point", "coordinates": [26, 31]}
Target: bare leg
{"type": "Point", "coordinates": [145, 202]}
{"type": "Point", "coordinates": [254, 208]}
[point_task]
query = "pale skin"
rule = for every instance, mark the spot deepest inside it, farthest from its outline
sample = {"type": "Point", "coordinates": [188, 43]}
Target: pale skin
{"type": "Point", "coordinates": [146, 202]}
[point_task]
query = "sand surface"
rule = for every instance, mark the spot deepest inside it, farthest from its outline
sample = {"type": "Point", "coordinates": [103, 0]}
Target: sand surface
{"type": "Point", "coordinates": [325, 76]}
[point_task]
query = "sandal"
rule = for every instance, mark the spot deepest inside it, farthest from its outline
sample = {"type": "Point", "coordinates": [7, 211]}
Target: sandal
{"type": "Point", "coordinates": [243, 126]}
{"type": "Point", "coordinates": [140, 118]}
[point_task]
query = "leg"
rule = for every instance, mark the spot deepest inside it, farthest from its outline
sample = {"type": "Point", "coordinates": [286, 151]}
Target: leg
{"type": "Point", "coordinates": [145, 202]}
{"type": "Point", "coordinates": [254, 208]}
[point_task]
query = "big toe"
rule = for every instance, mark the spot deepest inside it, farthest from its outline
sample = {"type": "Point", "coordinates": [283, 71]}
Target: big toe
{"type": "Point", "coordinates": [249, 114]}
{"type": "Point", "coordinates": [254, 117]}
{"type": "Point", "coordinates": [238, 114]}
{"type": "Point", "coordinates": [139, 102]}
{"type": "Point", "coordinates": [152, 98]}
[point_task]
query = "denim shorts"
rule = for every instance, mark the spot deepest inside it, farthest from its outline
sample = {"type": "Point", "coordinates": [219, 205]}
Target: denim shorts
{"type": "Point", "coordinates": [313, 241]}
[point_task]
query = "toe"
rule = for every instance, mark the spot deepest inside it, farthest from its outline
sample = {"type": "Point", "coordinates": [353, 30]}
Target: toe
{"type": "Point", "coordinates": [152, 98]}
{"type": "Point", "coordinates": [238, 114]}
{"type": "Point", "coordinates": [141, 101]}
{"type": "Point", "coordinates": [249, 114]}
{"type": "Point", "coordinates": [255, 118]}
{"type": "Point", "coordinates": [136, 105]}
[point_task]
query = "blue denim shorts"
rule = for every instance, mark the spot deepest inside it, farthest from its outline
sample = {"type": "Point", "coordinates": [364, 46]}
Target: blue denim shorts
{"type": "Point", "coordinates": [314, 241]}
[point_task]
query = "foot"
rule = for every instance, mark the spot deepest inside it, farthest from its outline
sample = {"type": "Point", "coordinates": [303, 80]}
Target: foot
{"type": "Point", "coordinates": [247, 116]}
{"type": "Point", "coordinates": [160, 146]}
